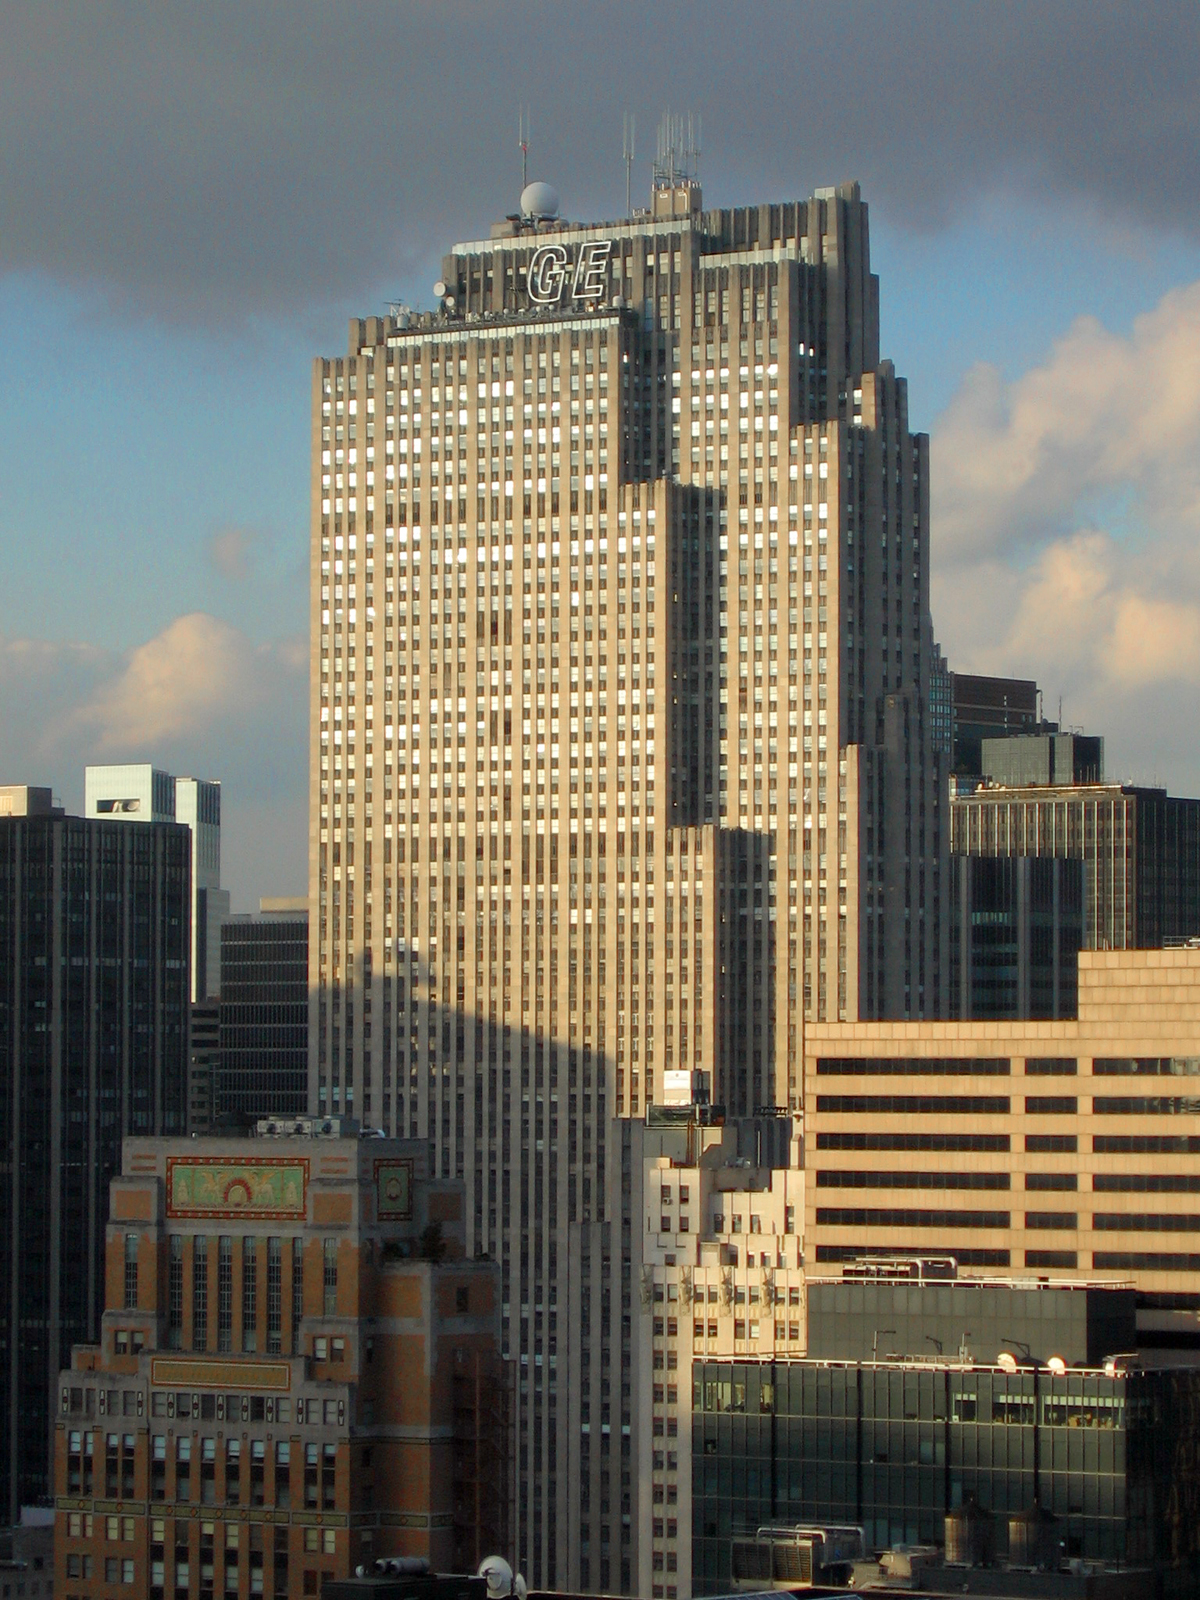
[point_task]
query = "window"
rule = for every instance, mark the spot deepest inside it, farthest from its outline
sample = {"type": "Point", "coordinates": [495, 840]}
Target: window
{"type": "Point", "coordinates": [225, 1293]}
{"type": "Point", "coordinates": [175, 1293]}
{"type": "Point", "coordinates": [283, 1468]}
{"type": "Point", "coordinates": [200, 1294]}
{"type": "Point", "coordinates": [233, 1469]}
{"type": "Point", "coordinates": [249, 1294]}
{"type": "Point", "coordinates": [274, 1296]}
{"type": "Point", "coordinates": [331, 1271]}
{"type": "Point", "coordinates": [131, 1271]}
{"type": "Point", "coordinates": [1050, 1105]}
{"type": "Point", "coordinates": [297, 1287]}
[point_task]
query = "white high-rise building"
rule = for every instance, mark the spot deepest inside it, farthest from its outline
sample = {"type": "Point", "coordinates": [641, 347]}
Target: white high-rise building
{"type": "Point", "coordinates": [622, 761]}
{"type": "Point", "coordinates": [139, 792]}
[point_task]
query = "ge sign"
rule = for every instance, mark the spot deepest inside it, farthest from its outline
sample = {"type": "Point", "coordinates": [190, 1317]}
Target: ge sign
{"type": "Point", "coordinates": [550, 271]}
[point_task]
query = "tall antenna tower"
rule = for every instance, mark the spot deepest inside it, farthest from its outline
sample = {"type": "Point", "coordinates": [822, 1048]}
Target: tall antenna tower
{"type": "Point", "coordinates": [628, 138]}
{"type": "Point", "coordinates": [678, 157]}
{"type": "Point", "coordinates": [523, 142]}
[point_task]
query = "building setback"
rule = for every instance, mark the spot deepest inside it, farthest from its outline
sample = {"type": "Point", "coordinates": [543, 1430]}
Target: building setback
{"type": "Point", "coordinates": [303, 1365]}
{"type": "Point", "coordinates": [263, 1061]}
{"type": "Point", "coordinates": [94, 923]}
{"type": "Point", "coordinates": [1064, 1147]}
{"type": "Point", "coordinates": [620, 662]}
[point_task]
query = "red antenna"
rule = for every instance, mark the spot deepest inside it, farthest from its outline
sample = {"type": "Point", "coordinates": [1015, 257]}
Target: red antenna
{"type": "Point", "coordinates": [523, 143]}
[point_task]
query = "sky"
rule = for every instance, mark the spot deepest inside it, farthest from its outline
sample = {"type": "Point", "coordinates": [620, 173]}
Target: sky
{"type": "Point", "coordinates": [196, 198]}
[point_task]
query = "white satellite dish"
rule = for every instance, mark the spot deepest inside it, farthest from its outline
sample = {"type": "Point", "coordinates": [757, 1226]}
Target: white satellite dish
{"type": "Point", "coordinates": [539, 200]}
{"type": "Point", "coordinates": [1006, 1361]}
{"type": "Point", "coordinates": [499, 1576]}
{"type": "Point", "coordinates": [1057, 1366]}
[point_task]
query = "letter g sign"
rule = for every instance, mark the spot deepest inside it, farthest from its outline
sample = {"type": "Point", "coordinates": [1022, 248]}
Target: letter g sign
{"type": "Point", "coordinates": [547, 274]}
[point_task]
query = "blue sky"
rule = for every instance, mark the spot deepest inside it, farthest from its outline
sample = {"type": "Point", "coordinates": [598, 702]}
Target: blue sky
{"type": "Point", "coordinates": [164, 286]}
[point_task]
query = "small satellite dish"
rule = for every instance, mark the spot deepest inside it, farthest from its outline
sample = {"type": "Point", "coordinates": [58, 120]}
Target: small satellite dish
{"type": "Point", "coordinates": [1006, 1361]}
{"type": "Point", "coordinates": [539, 200]}
{"type": "Point", "coordinates": [1057, 1366]}
{"type": "Point", "coordinates": [499, 1576]}
{"type": "Point", "coordinates": [439, 289]}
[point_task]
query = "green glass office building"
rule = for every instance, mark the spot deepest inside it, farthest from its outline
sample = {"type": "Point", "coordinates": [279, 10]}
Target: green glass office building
{"type": "Point", "coordinates": [896, 1446]}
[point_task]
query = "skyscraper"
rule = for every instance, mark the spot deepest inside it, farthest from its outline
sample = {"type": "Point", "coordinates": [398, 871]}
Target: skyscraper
{"type": "Point", "coordinates": [142, 793]}
{"type": "Point", "coordinates": [93, 1046]}
{"type": "Point", "coordinates": [263, 1057]}
{"type": "Point", "coordinates": [621, 759]}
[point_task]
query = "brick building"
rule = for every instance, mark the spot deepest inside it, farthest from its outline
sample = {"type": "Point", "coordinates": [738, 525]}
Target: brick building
{"type": "Point", "coordinates": [297, 1372]}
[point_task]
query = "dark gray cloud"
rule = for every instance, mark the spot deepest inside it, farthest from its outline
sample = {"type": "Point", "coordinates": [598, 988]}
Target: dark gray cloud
{"type": "Point", "coordinates": [236, 159]}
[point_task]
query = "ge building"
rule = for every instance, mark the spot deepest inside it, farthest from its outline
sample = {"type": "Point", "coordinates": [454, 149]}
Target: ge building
{"type": "Point", "coordinates": [621, 760]}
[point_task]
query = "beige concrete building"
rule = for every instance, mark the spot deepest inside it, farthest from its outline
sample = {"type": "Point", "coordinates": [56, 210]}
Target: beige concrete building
{"type": "Point", "coordinates": [621, 762]}
{"type": "Point", "coordinates": [718, 1212]}
{"type": "Point", "coordinates": [1065, 1148]}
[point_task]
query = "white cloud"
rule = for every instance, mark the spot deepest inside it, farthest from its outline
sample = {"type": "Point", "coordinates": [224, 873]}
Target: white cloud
{"type": "Point", "coordinates": [197, 672]}
{"type": "Point", "coordinates": [1066, 531]}
{"type": "Point", "coordinates": [199, 697]}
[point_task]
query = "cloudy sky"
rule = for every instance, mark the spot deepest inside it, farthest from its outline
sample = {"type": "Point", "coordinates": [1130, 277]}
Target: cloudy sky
{"type": "Point", "coordinates": [194, 198]}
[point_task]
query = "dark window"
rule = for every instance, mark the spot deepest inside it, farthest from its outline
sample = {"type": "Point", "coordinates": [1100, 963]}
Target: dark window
{"type": "Point", "coordinates": [1146, 1067]}
{"type": "Point", "coordinates": [200, 1294]}
{"type": "Point", "coordinates": [249, 1294]}
{"type": "Point", "coordinates": [1051, 1219]}
{"type": "Point", "coordinates": [908, 1105]}
{"type": "Point", "coordinates": [843, 1179]}
{"type": "Point", "coordinates": [844, 1217]}
{"type": "Point", "coordinates": [224, 1294]}
{"type": "Point", "coordinates": [175, 1292]}
{"type": "Point", "coordinates": [331, 1277]}
{"type": "Point", "coordinates": [1146, 1182]}
{"type": "Point", "coordinates": [131, 1271]}
{"type": "Point", "coordinates": [297, 1289]}
{"type": "Point", "coordinates": [913, 1141]}
{"type": "Point", "coordinates": [274, 1296]}
{"type": "Point", "coordinates": [914, 1066]}
{"type": "Point", "coordinates": [1044, 1144]}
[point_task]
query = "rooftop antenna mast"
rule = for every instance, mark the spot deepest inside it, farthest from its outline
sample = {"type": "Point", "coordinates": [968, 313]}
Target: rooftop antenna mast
{"type": "Point", "coordinates": [628, 136]}
{"type": "Point", "coordinates": [678, 156]}
{"type": "Point", "coordinates": [523, 143]}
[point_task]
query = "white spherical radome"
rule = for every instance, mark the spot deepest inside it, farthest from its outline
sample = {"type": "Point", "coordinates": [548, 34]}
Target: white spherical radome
{"type": "Point", "coordinates": [539, 200]}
